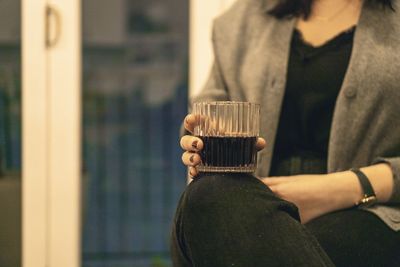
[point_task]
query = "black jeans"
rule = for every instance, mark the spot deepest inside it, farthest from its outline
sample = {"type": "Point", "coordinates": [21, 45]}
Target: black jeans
{"type": "Point", "coordinates": [235, 220]}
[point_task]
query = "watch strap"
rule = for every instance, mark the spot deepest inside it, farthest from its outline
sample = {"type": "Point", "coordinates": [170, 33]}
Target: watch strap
{"type": "Point", "coordinates": [368, 190]}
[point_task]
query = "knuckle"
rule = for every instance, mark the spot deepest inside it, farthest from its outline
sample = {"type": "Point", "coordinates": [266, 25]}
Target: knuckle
{"type": "Point", "coordinates": [195, 159]}
{"type": "Point", "coordinates": [184, 158]}
{"type": "Point", "coordinates": [193, 172]}
{"type": "Point", "coordinates": [192, 159]}
{"type": "Point", "coordinates": [186, 120]}
{"type": "Point", "coordinates": [182, 142]}
{"type": "Point", "coordinates": [198, 158]}
{"type": "Point", "coordinates": [185, 140]}
{"type": "Point", "coordinates": [189, 122]}
{"type": "Point", "coordinates": [200, 144]}
{"type": "Point", "coordinates": [194, 144]}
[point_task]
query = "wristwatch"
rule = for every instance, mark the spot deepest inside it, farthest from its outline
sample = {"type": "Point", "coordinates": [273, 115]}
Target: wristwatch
{"type": "Point", "coordinates": [369, 196]}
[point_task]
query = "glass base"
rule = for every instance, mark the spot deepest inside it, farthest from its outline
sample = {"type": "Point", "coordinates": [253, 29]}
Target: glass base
{"type": "Point", "coordinates": [248, 169]}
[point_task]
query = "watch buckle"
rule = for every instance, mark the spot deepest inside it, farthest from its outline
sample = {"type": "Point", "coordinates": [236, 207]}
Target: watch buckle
{"type": "Point", "coordinates": [367, 201]}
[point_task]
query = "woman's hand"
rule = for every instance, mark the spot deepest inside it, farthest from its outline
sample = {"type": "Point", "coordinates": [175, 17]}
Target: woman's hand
{"type": "Point", "coordinates": [193, 146]}
{"type": "Point", "coordinates": [316, 195]}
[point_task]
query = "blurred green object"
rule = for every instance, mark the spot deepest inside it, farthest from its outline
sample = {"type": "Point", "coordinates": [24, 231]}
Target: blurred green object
{"type": "Point", "coordinates": [158, 262]}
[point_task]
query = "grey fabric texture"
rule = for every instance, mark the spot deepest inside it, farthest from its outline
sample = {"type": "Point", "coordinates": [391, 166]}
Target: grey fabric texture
{"type": "Point", "coordinates": [251, 50]}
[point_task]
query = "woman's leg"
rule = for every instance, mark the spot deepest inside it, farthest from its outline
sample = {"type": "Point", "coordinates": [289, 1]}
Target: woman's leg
{"type": "Point", "coordinates": [357, 238]}
{"type": "Point", "coordinates": [235, 220]}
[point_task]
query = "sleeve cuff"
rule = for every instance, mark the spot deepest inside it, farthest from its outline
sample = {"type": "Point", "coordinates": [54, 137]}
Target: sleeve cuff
{"type": "Point", "coordinates": [394, 163]}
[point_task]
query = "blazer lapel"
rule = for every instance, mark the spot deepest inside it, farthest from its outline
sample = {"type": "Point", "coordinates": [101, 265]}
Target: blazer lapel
{"type": "Point", "coordinates": [374, 31]}
{"type": "Point", "coordinates": [275, 57]}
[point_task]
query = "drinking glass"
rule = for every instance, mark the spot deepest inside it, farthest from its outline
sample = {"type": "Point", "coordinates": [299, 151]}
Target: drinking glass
{"type": "Point", "coordinates": [229, 131]}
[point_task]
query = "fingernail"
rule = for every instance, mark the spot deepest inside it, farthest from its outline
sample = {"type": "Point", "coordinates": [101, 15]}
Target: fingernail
{"type": "Point", "coordinates": [194, 144]}
{"type": "Point", "coordinates": [191, 158]}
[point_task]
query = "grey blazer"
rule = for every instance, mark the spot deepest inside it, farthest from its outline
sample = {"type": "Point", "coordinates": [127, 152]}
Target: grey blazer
{"type": "Point", "coordinates": [251, 54]}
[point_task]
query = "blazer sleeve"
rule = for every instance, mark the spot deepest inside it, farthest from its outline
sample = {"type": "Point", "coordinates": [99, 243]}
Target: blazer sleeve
{"type": "Point", "coordinates": [215, 88]}
{"type": "Point", "coordinates": [394, 163]}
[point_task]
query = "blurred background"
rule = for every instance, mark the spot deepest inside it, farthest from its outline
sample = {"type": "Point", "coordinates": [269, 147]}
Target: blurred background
{"type": "Point", "coordinates": [135, 90]}
{"type": "Point", "coordinates": [135, 78]}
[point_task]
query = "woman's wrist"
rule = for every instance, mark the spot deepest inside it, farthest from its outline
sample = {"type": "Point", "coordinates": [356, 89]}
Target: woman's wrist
{"type": "Point", "coordinates": [347, 189]}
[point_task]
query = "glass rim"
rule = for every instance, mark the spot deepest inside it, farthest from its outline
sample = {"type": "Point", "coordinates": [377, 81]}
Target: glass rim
{"type": "Point", "coordinates": [226, 103]}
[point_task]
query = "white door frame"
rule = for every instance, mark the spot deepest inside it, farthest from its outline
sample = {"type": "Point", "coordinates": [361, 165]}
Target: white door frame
{"type": "Point", "coordinates": [64, 82]}
{"type": "Point", "coordinates": [51, 134]}
{"type": "Point", "coordinates": [35, 135]}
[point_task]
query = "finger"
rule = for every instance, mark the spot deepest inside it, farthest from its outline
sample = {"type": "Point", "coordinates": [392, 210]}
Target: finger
{"type": "Point", "coordinates": [208, 124]}
{"type": "Point", "coordinates": [191, 158]}
{"type": "Point", "coordinates": [190, 122]}
{"type": "Point", "coordinates": [191, 143]}
{"type": "Point", "coordinates": [271, 181]}
{"type": "Point", "coordinates": [193, 172]}
{"type": "Point", "coordinates": [261, 143]}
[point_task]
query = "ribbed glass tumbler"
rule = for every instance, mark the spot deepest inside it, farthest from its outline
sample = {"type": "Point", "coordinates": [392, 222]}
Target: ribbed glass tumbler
{"type": "Point", "coordinates": [229, 131]}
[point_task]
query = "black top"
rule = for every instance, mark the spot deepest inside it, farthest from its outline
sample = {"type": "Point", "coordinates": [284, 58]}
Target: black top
{"type": "Point", "coordinates": [315, 76]}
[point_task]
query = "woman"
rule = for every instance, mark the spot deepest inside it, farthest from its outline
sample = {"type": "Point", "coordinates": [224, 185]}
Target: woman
{"type": "Point", "coordinates": [326, 75]}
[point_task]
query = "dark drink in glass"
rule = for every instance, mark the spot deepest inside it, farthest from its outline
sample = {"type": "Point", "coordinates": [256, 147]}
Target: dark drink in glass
{"type": "Point", "coordinates": [229, 131]}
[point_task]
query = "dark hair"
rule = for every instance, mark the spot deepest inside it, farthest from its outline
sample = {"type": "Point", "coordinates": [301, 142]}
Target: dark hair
{"type": "Point", "coordinates": [302, 8]}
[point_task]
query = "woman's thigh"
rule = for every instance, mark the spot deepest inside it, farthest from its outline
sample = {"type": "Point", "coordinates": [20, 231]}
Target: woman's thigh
{"type": "Point", "coordinates": [355, 238]}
